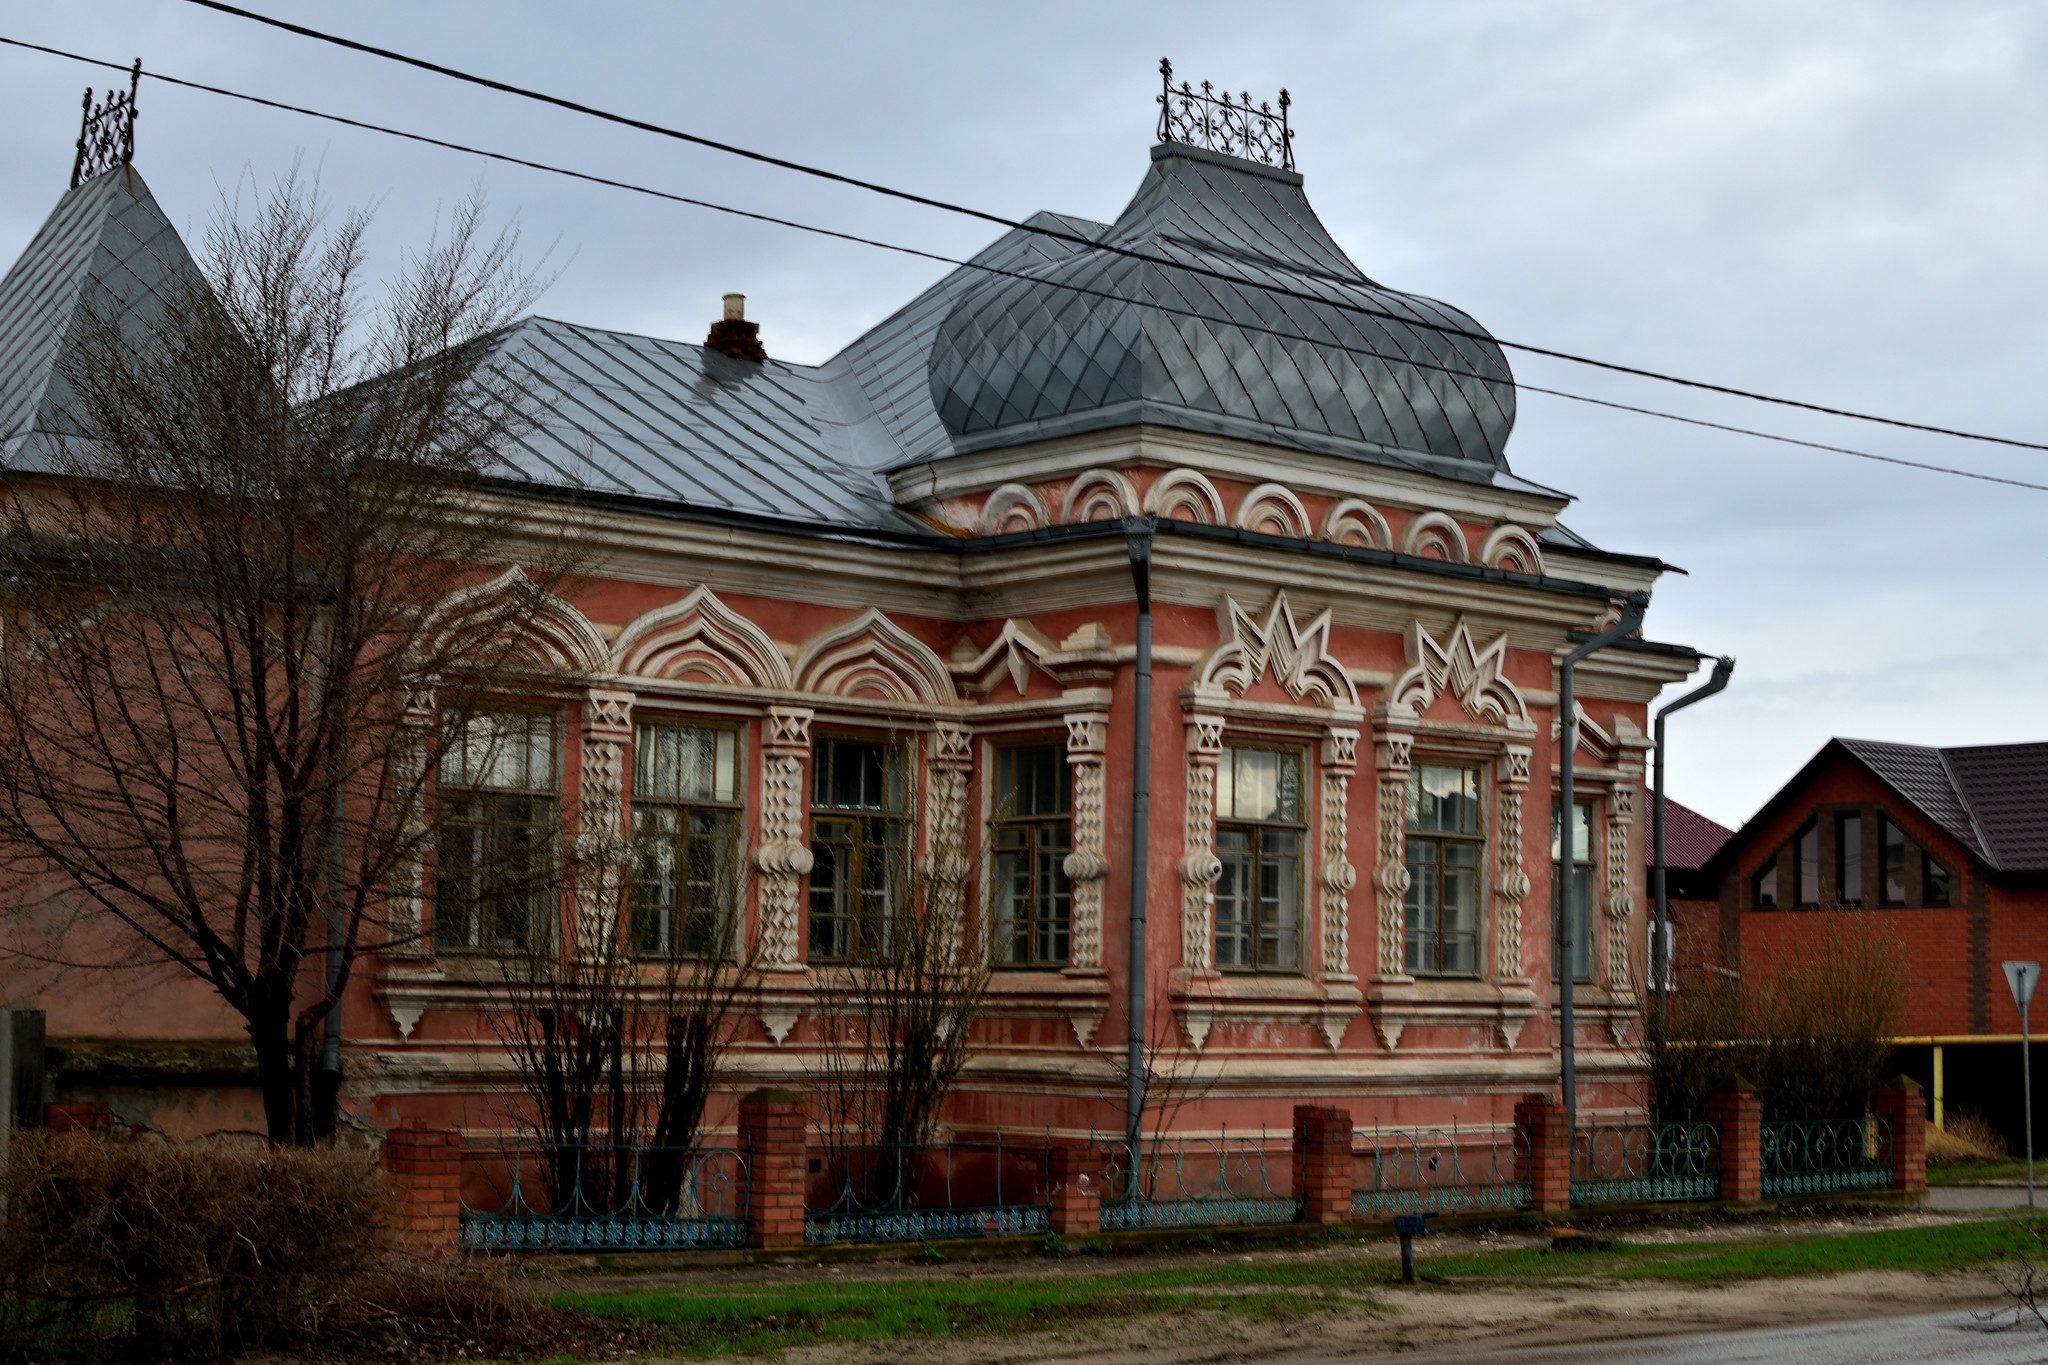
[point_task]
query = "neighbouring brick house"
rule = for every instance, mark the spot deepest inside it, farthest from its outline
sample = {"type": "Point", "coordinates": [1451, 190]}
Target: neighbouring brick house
{"type": "Point", "coordinates": [1946, 847]}
{"type": "Point", "coordinates": [888, 601]}
{"type": "Point", "coordinates": [1691, 896]}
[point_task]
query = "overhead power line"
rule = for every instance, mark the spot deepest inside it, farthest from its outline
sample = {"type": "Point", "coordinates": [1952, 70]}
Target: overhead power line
{"type": "Point", "coordinates": [992, 269]}
{"type": "Point", "coordinates": [802, 168]}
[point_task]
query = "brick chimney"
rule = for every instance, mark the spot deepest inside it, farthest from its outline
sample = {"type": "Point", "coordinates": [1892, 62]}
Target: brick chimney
{"type": "Point", "coordinates": [733, 335]}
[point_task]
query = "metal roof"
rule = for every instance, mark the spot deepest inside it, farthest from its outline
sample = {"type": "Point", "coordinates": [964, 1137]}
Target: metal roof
{"type": "Point", "coordinates": [106, 250]}
{"type": "Point", "coordinates": [1690, 838]}
{"type": "Point", "coordinates": [1023, 359]}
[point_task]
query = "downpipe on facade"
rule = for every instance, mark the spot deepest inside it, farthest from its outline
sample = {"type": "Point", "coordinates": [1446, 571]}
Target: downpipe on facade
{"type": "Point", "coordinates": [1660, 941]}
{"type": "Point", "coordinates": [1138, 532]}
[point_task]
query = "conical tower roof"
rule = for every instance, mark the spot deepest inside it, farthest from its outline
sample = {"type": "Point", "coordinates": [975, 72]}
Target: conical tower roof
{"type": "Point", "coordinates": [106, 251]}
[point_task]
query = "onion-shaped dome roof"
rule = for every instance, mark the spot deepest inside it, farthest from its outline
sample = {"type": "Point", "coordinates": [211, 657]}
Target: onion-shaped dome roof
{"type": "Point", "coordinates": [1293, 345]}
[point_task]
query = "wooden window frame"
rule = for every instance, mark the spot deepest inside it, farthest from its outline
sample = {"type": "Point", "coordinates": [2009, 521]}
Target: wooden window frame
{"type": "Point", "coordinates": [723, 937]}
{"type": "Point", "coordinates": [470, 908]}
{"type": "Point", "coordinates": [861, 931]}
{"type": "Point", "coordinates": [1047, 938]}
{"type": "Point", "coordinates": [1251, 933]}
{"type": "Point", "coordinates": [1476, 871]}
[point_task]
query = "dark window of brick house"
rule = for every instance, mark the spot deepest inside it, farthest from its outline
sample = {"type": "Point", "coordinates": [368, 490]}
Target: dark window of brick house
{"type": "Point", "coordinates": [1934, 881]}
{"type": "Point", "coordinates": [1849, 859]}
{"type": "Point", "coordinates": [1767, 887]}
{"type": "Point", "coordinates": [1894, 863]}
{"type": "Point", "coordinates": [1806, 866]}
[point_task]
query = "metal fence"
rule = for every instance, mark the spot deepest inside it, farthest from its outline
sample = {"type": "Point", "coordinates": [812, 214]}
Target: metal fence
{"type": "Point", "coordinates": [928, 1192]}
{"type": "Point", "coordinates": [1645, 1163]}
{"type": "Point", "coordinates": [521, 1195]}
{"type": "Point", "coordinates": [1187, 1182]}
{"type": "Point", "coordinates": [1439, 1170]}
{"type": "Point", "coordinates": [1826, 1156]}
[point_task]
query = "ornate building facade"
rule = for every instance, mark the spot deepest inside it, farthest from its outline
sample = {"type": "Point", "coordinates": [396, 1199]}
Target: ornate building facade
{"type": "Point", "coordinates": [888, 603]}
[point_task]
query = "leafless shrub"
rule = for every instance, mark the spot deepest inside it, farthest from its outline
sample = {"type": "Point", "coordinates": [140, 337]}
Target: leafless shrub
{"type": "Point", "coordinates": [1810, 1028]}
{"type": "Point", "coordinates": [1971, 1128]}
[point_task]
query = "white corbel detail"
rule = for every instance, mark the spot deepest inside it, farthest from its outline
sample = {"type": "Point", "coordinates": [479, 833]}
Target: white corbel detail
{"type": "Point", "coordinates": [1085, 1020]}
{"type": "Point", "coordinates": [779, 1021]}
{"type": "Point", "coordinates": [784, 857]}
{"type": "Point", "coordinates": [1087, 866]}
{"type": "Point", "coordinates": [405, 1017]}
{"type": "Point", "coordinates": [1199, 866]}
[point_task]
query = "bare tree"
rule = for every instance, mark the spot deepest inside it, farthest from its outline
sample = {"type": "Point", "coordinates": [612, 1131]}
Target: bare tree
{"type": "Point", "coordinates": [215, 591]}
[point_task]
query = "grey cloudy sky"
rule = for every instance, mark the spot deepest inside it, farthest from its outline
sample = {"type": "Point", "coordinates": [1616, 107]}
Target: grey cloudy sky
{"type": "Point", "coordinates": [1840, 202]}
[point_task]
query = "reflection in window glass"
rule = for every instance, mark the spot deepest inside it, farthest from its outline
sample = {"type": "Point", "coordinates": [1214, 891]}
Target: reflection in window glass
{"type": "Point", "coordinates": [1806, 866]}
{"type": "Point", "coordinates": [1934, 883]}
{"type": "Point", "coordinates": [496, 818]}
{"type": "Point", "coordinates": [1032, 834]}
{"type": "Point", "coordinates": [860, 845]}
{"type": "Point", "coordinates": [686, 848]}
{"type": "Point", "coordinates": [1767, 888]}
{"type": "Point", "coordinates": [1894, 863]}
{"type": "Point", "coordinates": [1578, 888]}
{"type": "Point", "coordinates": [1259, 843]}
{"type": "Point", "coordinates": [1849, 858]}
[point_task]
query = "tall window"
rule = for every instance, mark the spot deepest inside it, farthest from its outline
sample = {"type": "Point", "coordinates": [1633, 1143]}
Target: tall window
{"type": "Point", "coordinates": [1444, 857]}
{"type": "Point", "coordinates": [1806, 865]}
{"type": "Point", "coordinates": [1934, 882]}
{"type": "Point", "coordinates": [1578, 889]}
{"type": "Point", "coordinates": [1031, 834]}
{"type": "Point", "coordinates": [1849, 859]}
{"type": "Point", "coordinates": [860, 845]}
{"type": "Point", "coordinates": [497, 808]}
{"type": "Point", "coordinates": [1767, 886]}
{"type": "Point", "coordinates": [686, 821]}
{"type": "Point", "coordinates": [1259, 832]}
{"type": "Point", "coordinates": [1894, 863]}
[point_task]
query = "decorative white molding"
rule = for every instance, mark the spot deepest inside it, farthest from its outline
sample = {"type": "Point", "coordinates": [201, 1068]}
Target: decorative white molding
{"type": "Point", "coordinates": [1085, 1020]}
{"type": "Point", "coordinates": [784, 857]}
{"type": "Point", "coordinates": [1099, 495]}
{"type": "Point", "coordinates": [950, 754]}
{"type": "Point", "coordinates": [1354, 520]}
{"type": "Point", "coordinates": [1511, 881]}
{"type": "Point", "coordinates": [1199, 866]}
{"type": "Point", "coordinates": [1184, 490]}
{"type": "Point", "coordinates": [1619, 902]}
{"type": "Point", "coordinates": [1476, 677]}
{"type": "Point", "coordinates": [1010, 504]}
{"type": "Point", "coordinates": [1511, 547]}
{"type": "Point", "coordinates": [1195, 1024]}
{"type": "Point", "coordinates": [405, 1016]}
{"type": "Point", "coordinates": [1299, 656]}
{"type": "Point", "coordinates": [1509, 1029]}
{"type": "Point", "coordinates": [1601, 746]}
{"type": "Point", "coordinates": [1390, 873]}
{"type": "Point", "coordinates": [1438, 529]}
{"type": "Point", "coordinates": [870, 655]}
{"type": "Point", "coordinates": [1334, 1024]}
{"type": "Point", "coordinates": [551, 634]}
{"type": "Point", "coordinates": [778, 1021]}
{"type": "Point", "coordinates": [698, 637]}
{"type": "Point", "coordinates": [1273, 509]}
{"type": "Point", "coordinates": [1087, 867]}
{"type": "Point", "coordinates": [600, 818]}
{"type": "Point", "coordinates": [1337, 876]}
{"type": "Point", "coordinates": [1389, 1027]}
{"type": "Point", "coordinates": [1012, 655]}
{"type": "Point", "coordinates": [418, 720]}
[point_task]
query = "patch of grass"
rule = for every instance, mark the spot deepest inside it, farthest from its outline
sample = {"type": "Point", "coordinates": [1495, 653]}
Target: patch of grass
{"type": "Point", "coordinates": [1978, 1172]}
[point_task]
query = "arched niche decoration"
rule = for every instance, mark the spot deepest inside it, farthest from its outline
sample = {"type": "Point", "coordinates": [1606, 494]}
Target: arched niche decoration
{"type": "Point", "coordinates": [1511, 547]}
{"type": "Point", "coordinates": [1475, 676]}
{"type": "Point", "coordinates": [544, 629]}
{"type": "Point", "coordinates": [1099, 495]}
{"type": "Point", "coordinates": [1274, 510]}
{"type": "Point", "coordinates": [1298, 656]}
{"type": "Point", "coordinates": [1438, 531]}
{"type": "Point", "coordinates": [700, 639]}
{"type": "Point", "coordinates": [1012, 507]}
{"type": "Point", "coordinates": [1355, 521]}
{"type": "Point", "coordinates": [871, 656]}
{"type": "Point", "coordinates": [1184, 490]}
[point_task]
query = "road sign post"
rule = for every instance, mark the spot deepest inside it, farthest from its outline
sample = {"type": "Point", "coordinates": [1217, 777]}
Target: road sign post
{"type": "Point", "coordinates": [2023, 977]}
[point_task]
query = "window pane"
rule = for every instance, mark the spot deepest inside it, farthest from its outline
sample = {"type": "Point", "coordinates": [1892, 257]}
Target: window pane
{"type": "Point", "coordinates": [1934, 883]}
{"type": "Point", "coordinates": [1807, 866]}
{"type": "Point", "coordinates": [1424, 896]}
{"type": "Point", "coordinates": [1279, 896]}
{"type": "Point", "coordinates": [1443, 800]}
{"type": "Point", "coordinates": [684, 763]}
{"type": "Point", "coordinates": [1234, 899]}
{"type": "Point", "coordinates": [1031, 781]}
{"type": "Point", "coordinates": [1580, 904]}
{"type": "Point", "coordinates": [1582, 832]}
{"type": "Point", "coordinates": [849, 774]}
{"type": "Point", "coordinates": [1767, 887]}
{"type": "Point", "coordinates": [1894, 864]}
{"type": "Point", "coordinates": [502, 751]}
{"type": "Point", "coordinates": [1849, 857]}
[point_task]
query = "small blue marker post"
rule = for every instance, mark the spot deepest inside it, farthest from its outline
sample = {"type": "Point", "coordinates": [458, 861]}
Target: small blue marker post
{"type": "Point", "coordinates": [1409, 1226]}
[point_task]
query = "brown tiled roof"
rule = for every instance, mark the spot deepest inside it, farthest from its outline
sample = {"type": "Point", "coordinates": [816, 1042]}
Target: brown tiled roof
{"type": "Point", "coordinates": [1991, 798]}
{"type": "Point", "coordinates": [1689, 837]}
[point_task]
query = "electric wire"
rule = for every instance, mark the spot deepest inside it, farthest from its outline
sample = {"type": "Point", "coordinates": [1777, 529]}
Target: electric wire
{"type": "Point", "coordinates": [660, 130]}
{"type": "Point", "coordinates": [943, 259]}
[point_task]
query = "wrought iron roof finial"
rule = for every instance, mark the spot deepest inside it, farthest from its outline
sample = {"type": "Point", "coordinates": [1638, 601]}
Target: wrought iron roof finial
{"type": "Point", "coordinates": [1224, 123]}
{"type": "Point", "coordinates": [106, 134]}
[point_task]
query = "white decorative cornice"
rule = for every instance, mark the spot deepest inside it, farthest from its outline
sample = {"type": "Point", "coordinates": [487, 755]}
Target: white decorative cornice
{"type": "Point", "coordinates": [1274, 510]}
{"type": "Point", "coordinates": [1438, 529]}
{"type": "Point", "coordinates": [1185, 490]}
{"type": "Point", "coordinates": [552, 633]}
{"type": "Point", "coordinates": [1012, 655]}
{"type": "Point", "coordinates": [1474, 676]}
{"type": "Point", "coordinates": [698, 637]}
{"type": "Point", "coordinates": [1099, 495]}
{"type": "Point", "coordinates": [1511, 547]}
{"type": "Point", "coordinates": [1299, 656]}
{"type": "Point", "coordinates": [870, 655]}
{"type": "Point", "coordinates": [1008, 505]}
{"type": "Point", "coordinates": [1354, 520]}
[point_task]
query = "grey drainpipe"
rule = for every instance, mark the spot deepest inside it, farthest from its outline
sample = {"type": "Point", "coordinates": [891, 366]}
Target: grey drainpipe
{"type": "Point", "coordinates": [1660, 947]}
{"type": "Point", "coordinates": [1568, 738]}
{"type": "Point", "coordinates": [1139, 533]}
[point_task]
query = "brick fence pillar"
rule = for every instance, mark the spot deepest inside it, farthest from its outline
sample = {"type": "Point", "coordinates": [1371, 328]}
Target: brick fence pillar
{"type": "Point", "coordinates": [1547, 1165]}
{"type": "Point", "coordinates": [425, 1168]}
{"type": "Point", "coordinates": [1739, 1116]}
{"type": "Point", "coordinates": [1904, 1111]}
{"type": "Point", "coordinates": [772, 1133]}
{"type": "Point", "coordinates": [1075, 1193]}
{"type": "Point", "coordinates": [1322, 1163]}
